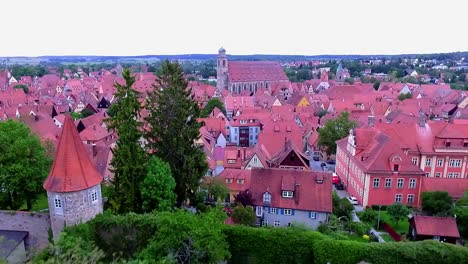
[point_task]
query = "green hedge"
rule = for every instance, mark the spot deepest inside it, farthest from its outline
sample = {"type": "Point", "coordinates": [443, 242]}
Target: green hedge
{"type": "Point", "coordinates": [348, 252]}
{"type": "Point", "coordinates": [270, 245]}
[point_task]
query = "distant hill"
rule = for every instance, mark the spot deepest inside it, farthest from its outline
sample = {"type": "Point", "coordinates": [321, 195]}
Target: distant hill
{"type": "Point", "coordinates": [275, 57]}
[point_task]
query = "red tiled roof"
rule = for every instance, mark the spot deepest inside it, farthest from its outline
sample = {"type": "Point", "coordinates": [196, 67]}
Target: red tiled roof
{"type": "Point", "coordinates": [454, 186]}
{"type": "Point", "coordinates": [436, 226]}
{"type": "Point", "coordinates": [73, 169]}
{"type": "Point", "coordinates": [309, 195]}
{"type": "Point", "coordinates": [236, 174]}
{"type": "Point", "coordinates": [246, 71]}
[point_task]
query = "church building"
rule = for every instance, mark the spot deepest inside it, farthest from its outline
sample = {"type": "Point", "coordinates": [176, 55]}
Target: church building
{"type": "Point", "coordinates": [240, 76]}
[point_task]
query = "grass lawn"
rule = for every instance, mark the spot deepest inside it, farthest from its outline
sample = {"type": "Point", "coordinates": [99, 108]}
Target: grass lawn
{"type": "Point", "coordinates": [387, 238]}
{"type": "Point", "coordinates": [357, 238]}
{"type": "Point", "coordinates": [401, 227]}
{"type": "Point", "coordinates": [40, 204]}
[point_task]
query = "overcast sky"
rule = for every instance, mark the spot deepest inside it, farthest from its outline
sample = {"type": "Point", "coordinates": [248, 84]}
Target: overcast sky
{"type": "Point", "coordinates": [139, 27]}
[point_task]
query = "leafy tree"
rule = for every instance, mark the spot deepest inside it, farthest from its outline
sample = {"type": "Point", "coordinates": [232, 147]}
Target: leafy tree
{"type": "Point", "coordinates": [22, 86]}
{"type": "Point", "coordinates": [158, 187]}
{"type": "Point", "coordinates": [460, 211]}
{"type": "Point", "coordinates": [349, 80]}
{"type": "Point", "coordinates": [214, 102]}
{"type": "Point", "coordinates": [244, 215]}
{"type": "Point", "coordinates": [369, 216]}
{"type": "Point", "coordinates": [376, 85]}
{"type": "Point", "coordinates": [462, 77]}
{"type": "Point", "coordinates": [215, 189]}
{"type": "Point", "coordinates": [436, 203]}
{"type": "Point", "coordinates": [86, 112]}
{"type": "Point", "coordinates": [173, 129]}
{"type": "Point", "coordinates": [341, 207]}
{"type": "Point", "coordinates": [129, 160]}
{"type": "Point", "coordinates": [23, 166]}
{"type": "Point", "coordinates": [183, 237]}
{"type": "Point", "coordinates": [244, 197]}
{"type": "Point", "coordinates": [334, 130]}
{"type": "Point", "coordinates": [398, 211]}
{"type": "Point", "coordinates": [404, 96]}
{"type": "Point", "coordinates": [322, 113]}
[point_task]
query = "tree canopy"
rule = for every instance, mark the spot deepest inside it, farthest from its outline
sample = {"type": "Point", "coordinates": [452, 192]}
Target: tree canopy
{"type": "Point", "coordinates": [23, 165]}
{"type": "Point", "coordinates": [212, 103]}
{"type": "Point", "coordinates": [158, 187]}
{"type": "Point", "coordinates": [398, 211]}
{"type": "Point", "coordinates": [244, 215]}
{"type": "Point", "coordinates": [334, 130]}
{"type": "Point", "coordinates": [173, 130]}
{"type": "Point", "coordinates": [436, 203]}
{"type": "Point", "coordinates": [129, 159]}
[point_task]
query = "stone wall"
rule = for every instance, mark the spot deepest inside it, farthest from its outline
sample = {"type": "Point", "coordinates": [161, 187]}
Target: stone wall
{"type": "Point", "coordinates": [37, 224]}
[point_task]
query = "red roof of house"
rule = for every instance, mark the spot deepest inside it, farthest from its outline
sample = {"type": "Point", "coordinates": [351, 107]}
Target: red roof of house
{"type": "Point", "coordinates": [246, 71]}
{"type": "Point", "coordinates": [309, 194]}
{"type": "Point", "coordinates": [436, 226]}
{"type": "Point", "coordinates": [234, 175]}
{"type": "Point", "coordinates": [73, 169]}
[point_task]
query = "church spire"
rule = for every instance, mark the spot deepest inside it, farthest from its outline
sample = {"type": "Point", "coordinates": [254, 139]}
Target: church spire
{"type": "Point", "coordinates": [72, 169]}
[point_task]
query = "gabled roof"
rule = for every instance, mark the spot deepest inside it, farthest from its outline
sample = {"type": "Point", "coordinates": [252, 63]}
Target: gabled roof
{"type": "Point", "coordinates": [72, 169]}
{"type": "Point", "coordinates": [309, 195]}
{"type": "Point", "coordinates": [246, 71]}
{"type": "Point", "coordinates": [436, 226]}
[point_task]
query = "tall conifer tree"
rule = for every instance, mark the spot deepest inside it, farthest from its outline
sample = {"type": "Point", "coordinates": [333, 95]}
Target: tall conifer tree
{"type": "Point", "coordinates": [129, 161]}
{"type": "Point", "coordinates": [172, 119]}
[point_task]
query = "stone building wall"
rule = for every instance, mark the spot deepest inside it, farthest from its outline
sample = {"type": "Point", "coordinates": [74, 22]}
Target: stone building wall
{"type": "Point", "coordinates": [37, 224]}
{"type": "Point", "coordinates": [77, 207]}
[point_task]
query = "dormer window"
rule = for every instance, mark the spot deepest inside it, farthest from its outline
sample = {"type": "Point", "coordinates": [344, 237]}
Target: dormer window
{"type": "Point", "coordinates": [287, 194]}
{"type": "Point", "coordinates": [447, 143]}
{"type": "Point", "coordinates": [240, 181]}
{"type": "Point", "coordinates": [243, 122]}
{"type": "Point", "coordinates": [229, 180]}
{"type": "Point", "coordinates": [267, 198]}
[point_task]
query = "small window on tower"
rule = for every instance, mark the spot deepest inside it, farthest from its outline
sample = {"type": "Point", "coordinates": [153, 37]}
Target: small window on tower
{"type": "Point", "coordinates": [58, 202]}
{"type": "Point", "coordinates": [94, 196]}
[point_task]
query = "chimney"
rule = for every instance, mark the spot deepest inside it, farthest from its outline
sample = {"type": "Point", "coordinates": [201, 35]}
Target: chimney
{"type": "Point", "coordinates": [238, 152]}
{"type": "Point", "coordinates": [296, 192]}
{"type": "Point", "coordinates": [94, 149]}
{"type": "Point", "coordinates": [370, 121]}
{"type": "Point", "coordinates": [422, 120]}
{"type": "Point", "coordinates": [285, 143]}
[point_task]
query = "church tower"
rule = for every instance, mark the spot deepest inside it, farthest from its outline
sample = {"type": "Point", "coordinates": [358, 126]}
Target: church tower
{"type": "Point", "coordinates": [221, 70]}
{"type": "Point", "coordinates": [339, 77]}
{"type": "Point", "coordinates": [73, 185]}
{"type": "Point", "coordinates": [119, 70]}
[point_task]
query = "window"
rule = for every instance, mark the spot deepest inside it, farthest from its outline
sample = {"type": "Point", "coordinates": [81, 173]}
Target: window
{"type": "Point", "coordinates": [428, 162]}
{"type": "Point", "coordinates": [276, 223]}
{"type": "Point", "coordinates": [400, 183]}
{"type": "Point", "coordinates": [287, 194]}
{"type": "Point", "coordinates": [412, 183]}
{"type": "Point", "coordinates": [255, 160]}
{"type": "Point", "coordinates": [398, 198]}
{"type": "Point", "coordinates": [243, 122]}
{"type": "Point", "coordinates": [465, 144]}
{"type": "Point", "coordinates": [240, 181]}
{"type": "Point", "coordinates": [414, 160]}
{"type": "Point", "coordinates": [229, 180]}
{"type": "Point", "coordinates": [447, 144]}
{"type": "Point", "coordinates": [396, 167]}
{"type": "Point", "coordinates": [453, 175]}
{"type": "Point", "coordinates": [410, 198]}
{"type": "Point", "coordinates": [58, 202]}
{"type": "Point", "coordinates": [455, 163]}
{"type": "Point", "coordinates": [313, 215]}
{"type": "Point", "coordinates": [440, 162]}
{"type": "Point", "coordinates": [388, 183]}
{"type": "Point", "coordinates": [272, 210]}
{"type": "Point", "coordinates": [266, 197]}
{"type": "Point", "coordinates": [94, 196]}
{"type": "Point", "coordinates": [376, 182]}
{"type": "Point", "coordinates": [259, 211]}
{"type": "Point", "coordinates": [264, 222]}
{"type": "Point", "coordinates": [438, 174]}
{"type": "Point", "coordinates": [231, 161]}
{"type": "Point", "coordinates": [287, 212]}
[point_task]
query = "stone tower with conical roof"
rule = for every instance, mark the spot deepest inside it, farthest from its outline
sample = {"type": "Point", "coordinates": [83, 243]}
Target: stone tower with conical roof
{"type": "Point", "coordinates": [73, 185]}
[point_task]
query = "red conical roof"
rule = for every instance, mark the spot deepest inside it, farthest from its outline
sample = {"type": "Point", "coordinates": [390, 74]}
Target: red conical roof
{"type": "Point", "coordinates": [72, 169]}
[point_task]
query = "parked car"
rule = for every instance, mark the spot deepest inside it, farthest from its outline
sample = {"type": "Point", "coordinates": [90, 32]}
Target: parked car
{"type": "Point", "coordinates": [339, 186]}
{"type": "Point", "coordinates": [331, 162]}
{"type": "Point", "coordinates": [352, 200]}
{"type": "Point", "coordinates": [315, 158]}
{"type": "Point", "coordinates": [323, 164]}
